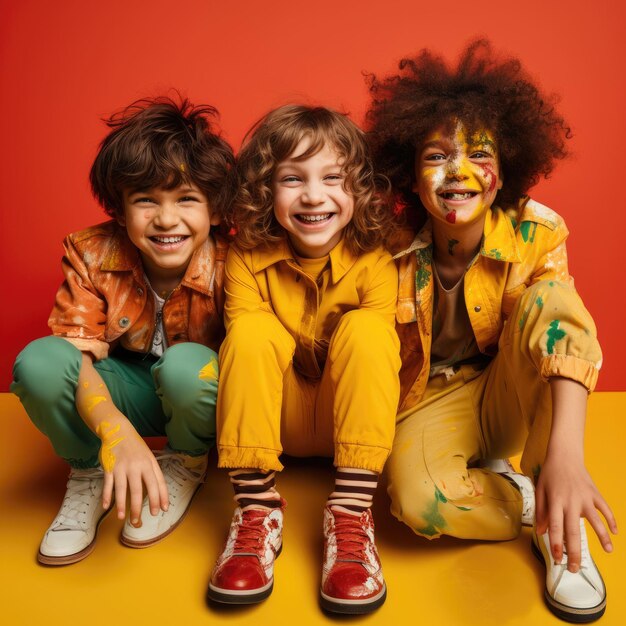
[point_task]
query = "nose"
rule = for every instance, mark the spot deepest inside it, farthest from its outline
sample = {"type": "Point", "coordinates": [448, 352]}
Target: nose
{"type": "Point", "coordinates": [456, 170]}
{"type": "Point", "coordinates": [313, 194]}
{"type": "Point", "coordinates": [167, 215]}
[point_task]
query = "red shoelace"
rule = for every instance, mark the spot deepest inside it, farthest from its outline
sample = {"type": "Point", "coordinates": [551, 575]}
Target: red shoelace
{"type": "Point", "coordinates": [352, 539]}
{"type": "Point", "coordinates": [252, 532]}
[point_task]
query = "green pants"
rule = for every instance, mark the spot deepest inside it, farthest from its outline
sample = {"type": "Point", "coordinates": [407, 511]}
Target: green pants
{"type": "Point", "coordinates": [165, 396]}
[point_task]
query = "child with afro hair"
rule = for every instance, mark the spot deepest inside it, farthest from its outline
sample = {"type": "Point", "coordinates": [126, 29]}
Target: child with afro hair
{"type": "Point", "coordinates": [498, 350]}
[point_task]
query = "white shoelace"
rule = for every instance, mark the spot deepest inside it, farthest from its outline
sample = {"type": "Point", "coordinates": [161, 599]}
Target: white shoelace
{"type": "Point", "coordinates": [176, 474]}
{"type": "Point", "coordinates": [83, 489]}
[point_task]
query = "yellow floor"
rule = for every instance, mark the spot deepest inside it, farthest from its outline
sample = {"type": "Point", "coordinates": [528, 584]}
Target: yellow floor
{"type": "Point", "coordinates": [442, 582]}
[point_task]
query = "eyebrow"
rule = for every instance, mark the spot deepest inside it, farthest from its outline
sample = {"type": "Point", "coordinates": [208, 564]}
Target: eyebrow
{"type": "Point", "coordinates": [483, 141]}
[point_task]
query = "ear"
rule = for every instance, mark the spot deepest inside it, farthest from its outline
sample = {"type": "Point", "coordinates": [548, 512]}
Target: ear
{"type": "Point", "coordinates": [120, 218]}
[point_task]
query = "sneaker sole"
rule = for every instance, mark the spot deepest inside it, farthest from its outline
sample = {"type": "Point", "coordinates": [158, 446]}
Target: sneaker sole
{"type": "Point", "coordinates": [569, 613]}
{"type": "Point", "coordinates": [232, 596]}
{"type": "Point", "coordinates": [68, 559]}
{"type": "Point", "coordinates": [352, 607]}
{"type": "Point", "coordinates": [134, 543]}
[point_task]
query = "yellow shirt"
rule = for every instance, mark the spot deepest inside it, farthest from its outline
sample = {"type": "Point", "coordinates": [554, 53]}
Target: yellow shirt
{"type": "Point", "coordinates": [270, 279]}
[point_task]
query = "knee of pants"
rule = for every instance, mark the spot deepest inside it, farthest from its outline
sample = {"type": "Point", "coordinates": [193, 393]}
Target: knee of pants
{"type": "Point", "coordinates": [412, 496]}
{"type": "Point", "coordinates": [185, 372]}
{"type": "Point", "coordinates": [256, 335]}
{"type": "Point", "coordinates": [363, 331]}
{"type": "Point", "coordinates": [423, 499]}
{"type": "Point", "coordinates": [44, 369]}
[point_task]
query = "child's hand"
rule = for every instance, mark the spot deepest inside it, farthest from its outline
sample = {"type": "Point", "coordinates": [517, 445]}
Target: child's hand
{"type": "Point", "coordinates": [129, 464]}
{"type": "Point", "coordinates": [564, 494]}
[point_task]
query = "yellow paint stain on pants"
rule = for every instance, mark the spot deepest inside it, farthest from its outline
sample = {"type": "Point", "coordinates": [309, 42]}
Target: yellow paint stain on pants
{"type": "Point", "coordinates": [209, 371]}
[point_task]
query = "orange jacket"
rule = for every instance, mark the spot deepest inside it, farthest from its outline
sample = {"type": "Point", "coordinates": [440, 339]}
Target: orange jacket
{"type": "Point", "coordinates": [105, 298]}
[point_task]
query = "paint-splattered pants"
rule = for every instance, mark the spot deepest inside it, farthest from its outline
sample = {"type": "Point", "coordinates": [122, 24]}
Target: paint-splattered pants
{"type": "Point", "coordinates": [482, 414]}
{"type": "Point", "coordinates": [265, 406]}
{"type": "Point", "coordinates": [165, 396]}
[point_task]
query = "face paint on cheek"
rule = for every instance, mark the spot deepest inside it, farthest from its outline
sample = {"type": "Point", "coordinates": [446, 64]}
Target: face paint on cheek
{"type": "Point", "coordinates": [451, 216]}
{"type": "Point", "coordinates": [490, 177]}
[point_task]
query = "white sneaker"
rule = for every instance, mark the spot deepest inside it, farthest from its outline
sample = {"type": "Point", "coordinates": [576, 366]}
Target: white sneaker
{"type": "Point", "coordinates": [579, 597]}
{"type": "Point", "coordinates": [72, 534]}
{"type": "Point", "coordinates": [182, 483]}
{"type": "Point", "coordinates": [526, 488]}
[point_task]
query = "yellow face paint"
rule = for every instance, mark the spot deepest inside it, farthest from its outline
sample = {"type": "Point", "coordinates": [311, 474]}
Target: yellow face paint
{"type": "Point", "coordinates": [86, 385]}
{"type": "Point", "coordinates": [209, 371]}
{"type": "Point", "coordinates": [457, 175]}
{"type": "Point", "coordinates": [107, 436]}
{"type": "Point", "coordinates": [91, 402]}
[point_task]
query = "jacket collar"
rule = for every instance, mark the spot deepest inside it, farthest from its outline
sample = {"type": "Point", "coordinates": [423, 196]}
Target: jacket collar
{"type": "Point", "coordinates": [499, 240]}
{"type": "Point", "coordinates": [341, 258]}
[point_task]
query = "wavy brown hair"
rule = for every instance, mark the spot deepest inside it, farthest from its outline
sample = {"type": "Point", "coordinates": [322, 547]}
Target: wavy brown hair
{"type": "Point", "coordinates": [164, 143]}
{"type": "Point", "coordinates": [274, 139]}
{"type": "Point", "coordinates": [482, 90]}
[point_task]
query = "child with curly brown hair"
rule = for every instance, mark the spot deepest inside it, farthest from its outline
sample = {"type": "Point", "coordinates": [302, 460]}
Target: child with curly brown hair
{"type": "Point", "coordinates": [310, 362]}
{"type": "Point", "coordinates": [498, 351]}
{"type": "Point", "coordinates": [135, 329]}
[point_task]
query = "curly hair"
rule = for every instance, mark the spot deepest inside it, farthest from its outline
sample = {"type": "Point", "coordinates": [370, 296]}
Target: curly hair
{"type": "Point", "coordinates": [164, 143]}
{"type": "Point", "coordinates": [272, 140]}
{"type": "Point", "coordinates": [481, 91]}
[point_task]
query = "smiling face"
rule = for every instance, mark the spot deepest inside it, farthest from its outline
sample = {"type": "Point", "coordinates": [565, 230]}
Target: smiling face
{"type": "Point", "coordinates": [457, 176]}
{"type": "Point", "coordinates": [167, 226]}
{"type": "Point", "coordinates": [310, 201]}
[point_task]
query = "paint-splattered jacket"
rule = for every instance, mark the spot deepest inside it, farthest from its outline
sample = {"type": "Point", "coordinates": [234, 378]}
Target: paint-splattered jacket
{"type": "Point", "coordinates": [520, 247]}
{"type": "Point", "coordinates": [105, 301]}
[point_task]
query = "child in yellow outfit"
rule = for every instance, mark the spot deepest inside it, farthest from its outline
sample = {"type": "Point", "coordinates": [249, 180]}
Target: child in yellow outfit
{"type": "Point", "coordinates": [311, 358]}
{"type": "Point", "coordinates": [498, 350]}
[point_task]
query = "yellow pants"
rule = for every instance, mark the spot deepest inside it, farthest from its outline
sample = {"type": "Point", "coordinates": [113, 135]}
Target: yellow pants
{"type": "Point", "coordinates": [479, 414]}
{"type": "Point", "coordinates": [265, 406]}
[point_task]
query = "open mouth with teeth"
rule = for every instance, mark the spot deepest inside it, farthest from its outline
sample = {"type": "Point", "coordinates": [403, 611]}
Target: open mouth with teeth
{"type": "Point", "coordinates": [162, 240]}
{"type": "Point", "coordinates": [307, 218]}
{"type": "Point", "coordinates": [458, 195]}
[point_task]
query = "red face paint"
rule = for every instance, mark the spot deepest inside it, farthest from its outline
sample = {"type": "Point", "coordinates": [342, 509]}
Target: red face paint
{"type": "Point", "coordinates": [451, 216]}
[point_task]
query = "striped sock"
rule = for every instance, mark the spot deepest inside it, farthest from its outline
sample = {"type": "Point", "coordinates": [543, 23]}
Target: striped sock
{"type": "Point", "coordinates": [354, 490]}
{"type": "Point", "coordinates": [255, 489]}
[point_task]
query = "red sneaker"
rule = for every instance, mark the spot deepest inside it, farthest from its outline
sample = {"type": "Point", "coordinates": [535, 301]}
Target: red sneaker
{"type": "Point", "coordinates": [352, 577]}
{"type": "Point", "coordinates": [244, 572]}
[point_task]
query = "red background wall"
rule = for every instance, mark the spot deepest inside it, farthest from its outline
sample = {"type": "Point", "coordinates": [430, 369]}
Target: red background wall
{"type": "Point", "coordinates": [64, 65]}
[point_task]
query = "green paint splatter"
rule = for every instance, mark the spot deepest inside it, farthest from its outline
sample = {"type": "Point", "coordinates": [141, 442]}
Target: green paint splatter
{"type": "Point", "coordinates": [422, 276]}
{"type": "Point", "coordinates": [525, 229]}
{"type": "Point", "coordinates": [495, 253]}
{"type": "Point", "coordinates": [513, 222]}
{"type": "Point", "coordinates": [434, 519]}
{"type": "Point", "coordinates": [536, 470]}
{"type": "Point", "coordinates": [451, 244]}
{"type": "Point", "coordinates": [554, 334]}
{"type": "Point", "coordinates": [539, 302]}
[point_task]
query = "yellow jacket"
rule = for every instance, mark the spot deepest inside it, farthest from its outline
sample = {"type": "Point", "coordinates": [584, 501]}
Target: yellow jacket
{"type": "Point", "coordinates": [520, 247]}
{"type": "Point", "coordinates": [270, 279]}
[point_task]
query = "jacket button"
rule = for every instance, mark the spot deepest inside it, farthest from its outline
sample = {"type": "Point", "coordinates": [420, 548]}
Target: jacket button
{"type": "Point", "coordinates": [477, 308]}
{"type": "Point", "coordinates": [124, 322]}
